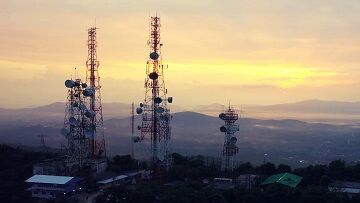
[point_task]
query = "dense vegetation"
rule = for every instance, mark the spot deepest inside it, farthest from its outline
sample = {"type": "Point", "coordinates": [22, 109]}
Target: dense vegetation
{"type": "Point", "coordinates": [186, 185]}
{"type": "Point", "coordinates": [185, 179]}
{"type": "Point", "coordinates": [189, 192]}
{"type": "Point", "coordinates": [124, 163]}
{"type": "Point", "coordinates": [15, 167]}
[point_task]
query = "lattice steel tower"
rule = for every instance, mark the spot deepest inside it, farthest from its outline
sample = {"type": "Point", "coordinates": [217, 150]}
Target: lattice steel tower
{"type": "Point", "coordinates": [155, 111]}
{"type": "Point", "coordinates": [93, 99]}
{"type": "Point", "coordinates": [74, 124]}
{"type": "Point", "coordinates": [83, 126]}
{"type": "Point", "coordinates": [230, 149]}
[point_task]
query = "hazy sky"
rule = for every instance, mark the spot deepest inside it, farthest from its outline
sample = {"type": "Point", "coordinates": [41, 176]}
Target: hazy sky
{"type": "Point", "coordinates": [246, 51]}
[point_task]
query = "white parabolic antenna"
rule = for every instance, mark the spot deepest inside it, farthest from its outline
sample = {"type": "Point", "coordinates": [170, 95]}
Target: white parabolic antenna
{"type": "Point", "coordinates": [73, 121]}
{"type": "Point", "coordinates": [69, 83]}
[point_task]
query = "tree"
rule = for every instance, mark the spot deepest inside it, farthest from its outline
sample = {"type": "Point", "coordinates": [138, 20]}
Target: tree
{"type": "Point", "coordinates": [282, 168]}
{"type": "Point", "coordinates": [337, 169]}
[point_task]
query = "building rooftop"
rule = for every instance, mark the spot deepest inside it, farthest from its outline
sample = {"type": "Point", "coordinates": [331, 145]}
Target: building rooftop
{"type": "Point", "coordinates": [133, 172]}
{"type": "Point", "coordinates": [345, 184]}
{"type": "Point", "coordinates": [49, 179]}
{"type": "Point", "coordinates": [345, 187]}
{"type": "Point", "coordinates": [287, 179]}
{"type": "Point", "coordinates": [120, 177]}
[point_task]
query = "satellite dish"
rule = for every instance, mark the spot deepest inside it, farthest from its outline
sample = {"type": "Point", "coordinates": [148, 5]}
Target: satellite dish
{"type": "Point", "coordinates": [161, 159]}
{"type": "Point", "coordinates": [65, 132]}
{"type": "Point", "coordinates": [233, 140]}
{"type": "Point", "coordinates": [157, 100]}
{"type": "Point", "coordinates": [73, 121]}
{"type": "Point", "coordinates": [136, 139]}
{"type": "Point", "coordinates": [164, 117]}
{"type": "Point", "coordinates": [82, 107]}
{"type": "Point", "coordinates": [90, 114]}
{"type": "Point", "coordinates": [170, 99]}
{"type": "Point", "coordinates": [100, 152]}
{"type": "Point", "coordinates": [153, 76]}
{"type": "Point", "coordinates": [222, 116]}
{"type": "Point", "coordinates": [234, 128]}
{"type": "Point", "coordinates": [75, 104]}
{"type": "Point", "coordinates": [223, 129]}
{"type": "Point", "coordinates": [154, 56]}
{"type": "Point", "coordinates": [160, 110]}
{"type": "Point", "coordinates": [69, 83]}
{"type": "Point", "coordinates": [139, 110]}
{"type": "Point", "coordinates": [88, 133]}
{"type": "Point", "coordinates": [88, 92]}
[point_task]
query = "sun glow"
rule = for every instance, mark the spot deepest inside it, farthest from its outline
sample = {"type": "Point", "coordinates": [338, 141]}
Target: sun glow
{"type": "Point", "coordinates": [280, 75]}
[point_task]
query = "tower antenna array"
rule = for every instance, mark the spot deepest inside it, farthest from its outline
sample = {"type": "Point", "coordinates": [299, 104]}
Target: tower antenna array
{"type": "Point", "coordinates": [83, 125]}
{"type": "Point", "coordinates": [94, 99]}
{"type": "Point", "coordinates": [75, 123]}
{"type": "Point", "coordinates": [229, 116]}
{"type": "Point", "coordinates": [132, 128]}
{"type": "Point", "coordinates": [155, 111]}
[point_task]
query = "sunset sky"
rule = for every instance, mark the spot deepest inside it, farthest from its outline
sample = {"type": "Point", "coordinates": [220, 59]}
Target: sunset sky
{"type": "Point", "coordinates": [246, 51]}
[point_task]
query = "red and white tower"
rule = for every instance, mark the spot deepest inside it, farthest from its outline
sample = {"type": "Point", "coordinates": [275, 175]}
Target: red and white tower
{"type": "Point", "coordinates": [155, 111]}
{"type": "Point", "coordinates": [83, 126]}
{"type": "Point", "coordinates": [93, 98]}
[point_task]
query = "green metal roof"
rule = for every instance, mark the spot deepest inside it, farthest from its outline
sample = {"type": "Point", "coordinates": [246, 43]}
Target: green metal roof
{"type": "Point", "coordinates": [287, 179]}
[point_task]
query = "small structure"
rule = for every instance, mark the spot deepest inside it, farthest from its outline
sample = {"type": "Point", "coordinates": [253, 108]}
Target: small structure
{"type": "Point", "coordinates": [350, 188]}
{"type": "Point", "coordinates": [48, 186]}
{"type": "Point", "coordinates": [286, 179]}
{"type": "Point", "coordinates": [222, 183]}
{"type": "Point", "coordinates": [126, 177]}
{"type": "Point", "coordinates": [137, 175]}
{"type": "Point", "coordinates": [49, 167]}
{"type": "Point", "coordinates": [114, 181]}
{"type": "Point", "coordinates": [247, 181]}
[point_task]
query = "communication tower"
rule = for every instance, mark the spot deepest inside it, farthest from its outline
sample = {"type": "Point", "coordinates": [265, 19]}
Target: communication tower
{"type": "Point", "coordinates": [154, 110]}
{"type": "Point", "coordinates": [83, 126]}
{"type": "Point", "coordinates": [42, 141]}
{"type": "Point", "coordinates": [75, 123]}
{"type": "Point", "coordinates": [93, 99]}
{"type": "Point", "coordinates": [229, 116]}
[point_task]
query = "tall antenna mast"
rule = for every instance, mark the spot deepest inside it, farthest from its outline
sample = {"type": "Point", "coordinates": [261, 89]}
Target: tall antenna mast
{"type": "Point", "coordinates": [230, 149]}
{"type": "Point", "coordinates": [83, 123]}
{"type": "Point", "coordinates": [155, 112]}
{"type": "Point", "coordinates": [42, 141]}
{"type": "Point", "coordinates": [97, 141]}
{"type": "Point", "coordinates": [75, 124]}
{"type": "Point", "coordinates": [132, 128]}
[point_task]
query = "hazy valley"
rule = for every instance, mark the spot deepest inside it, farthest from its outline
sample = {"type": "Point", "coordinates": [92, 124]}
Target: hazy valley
{"type": "Point", "coordinates": [285, 140]}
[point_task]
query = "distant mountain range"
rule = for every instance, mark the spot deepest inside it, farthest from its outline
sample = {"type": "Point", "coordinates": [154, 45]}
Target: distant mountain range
{"type": "Point", "coordinates": [285, 140]}
{"type": "Point", "coordinates": [118, 110]}
{"type": "Point", "coordinates": [314, 106]}
{"type": "Point", "coordinates": [56, 112]}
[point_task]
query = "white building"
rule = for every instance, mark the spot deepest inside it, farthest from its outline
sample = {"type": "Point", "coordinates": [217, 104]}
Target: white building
{"type": "Point", "coordinates": [48, 186]}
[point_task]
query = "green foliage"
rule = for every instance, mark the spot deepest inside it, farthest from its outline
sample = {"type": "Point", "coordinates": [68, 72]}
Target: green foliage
{"type": "Point", "coordinates": [193, 168]}
{"type": "Point", "coordinates": [15, 167]}
{"type": "Point", "coordinates": [187, 172]}
{"type": "Point", "coordinates": [124, 163]}
{"type": "Point", "coordinates": [336, 169]}
{"type": "Point", "coordinates": [282, 168]}
{"type": "Point", "coordinates": [196, 193]}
